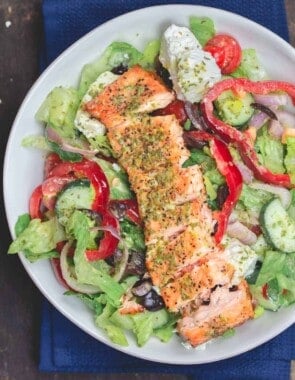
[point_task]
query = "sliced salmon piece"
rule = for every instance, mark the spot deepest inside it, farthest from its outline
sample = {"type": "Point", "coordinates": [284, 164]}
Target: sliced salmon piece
{"type": "Point", "coordinates": [227, 309]}
{"type": "Point", "coordinates": [157, 190]}
{"type": "Point", "coordinates": [166, 259]}
{"type": "Point", "coordinates": [169, 222]}
{"type": "Point", "coordinates": [135, 91]}
{"type": "Point", "coordinates": [149, 140]}
{"type": "Point", "coordinates": [196, 283]}
{"type": "Point", "coordinates": [130, 306]}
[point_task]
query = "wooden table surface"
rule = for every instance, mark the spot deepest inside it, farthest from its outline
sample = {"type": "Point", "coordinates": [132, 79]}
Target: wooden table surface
{"type": "Point", "coordinates": [20, 40]}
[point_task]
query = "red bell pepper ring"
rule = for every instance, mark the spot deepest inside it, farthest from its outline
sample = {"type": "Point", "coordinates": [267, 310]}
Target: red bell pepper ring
{"type": "Point", "coordinates": [109, 242]}
{"type": "Point", "coordinates": [93, 172]}
{"type": "Point", "coordinates": [229, 170]}
{"type": "Point", "coordinates": [234, 181]}
{"type": "Point", "coordinates": [240, 139]}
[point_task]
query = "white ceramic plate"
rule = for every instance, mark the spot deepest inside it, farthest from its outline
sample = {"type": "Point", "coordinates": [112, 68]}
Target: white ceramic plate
{"type": "Point", "coordinates": [23, 167]}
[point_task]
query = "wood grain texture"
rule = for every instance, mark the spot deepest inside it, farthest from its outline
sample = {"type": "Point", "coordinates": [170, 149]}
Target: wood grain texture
{"type": "Point", "coordinates": [20, 41]}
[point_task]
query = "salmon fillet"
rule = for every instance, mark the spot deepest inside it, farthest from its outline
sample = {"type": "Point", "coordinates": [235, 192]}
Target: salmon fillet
{"type": "Point", "coordinates": [196, 283]}
{"type": "Point", "coordinates": [166, 259]}
{"type": "Point", "coordinates": [135, 91]}
{"type": "Point", "coordinates": [182, 258]}
{"type": "Point", "coordinates": [227, 309]}
{"type": "Point", "coordinates": [147, 140]}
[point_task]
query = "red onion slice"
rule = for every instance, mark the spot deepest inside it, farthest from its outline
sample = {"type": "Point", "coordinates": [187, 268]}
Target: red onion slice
{"type": "Point", "coordinates": [194, 116]}
{"type": "Point", "coordinates": [270, 100]}
{"type": "Point", "coordinates": [239, 231]}
{"type": "Point", "coordinates": [287, 119]}
{"type": "Point", "coordinates": [247, 173]}
{"type": "Point", "coordinates": [281, 192]}
{"type": "Point", "coordinates": [55, 137]}
{"type": "Point", "coordinates": [275, 129]}
{"type": "Point", "coordinates": [258, 120]}
{"type": "Point", "coordinates": [68, 276]}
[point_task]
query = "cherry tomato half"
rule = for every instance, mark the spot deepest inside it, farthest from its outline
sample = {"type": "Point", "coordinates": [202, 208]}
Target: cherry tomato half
{"type": "Point", "coordinates": [227, 52]}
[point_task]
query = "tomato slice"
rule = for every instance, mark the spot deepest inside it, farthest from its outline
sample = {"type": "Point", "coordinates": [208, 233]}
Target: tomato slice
{"type": "Point", "coordinates": [51, 187]}
{"type": "Point", "coordinates": [51, 161]}
{"type": "Point", "coordinates": [226, 50]}
{"type": "Point", "coordinates": [35, 203]}
{"type": "Point", "coordinates": [174, 108]}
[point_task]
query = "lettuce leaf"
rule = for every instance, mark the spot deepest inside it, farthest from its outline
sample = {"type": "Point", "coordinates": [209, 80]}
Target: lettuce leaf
{"type": "Point", "coordinates": [59, 110]}
{"type": "Point", "coordinates": [250, 66]}
{"type": "Point", "coordinates": [278, 274]}
{"type": "Point", "coordinates": [270, 151]}
{"type": "Point", "coordinates": [203, 28]}
{"type": "Point", "coordinates": [289, 160]}
{"type": "Point", "coordinates": [117, 53]}
{"type": "Point", "coordinates": [36, 239]}
{"type": "Point", "coordinates": [254, 199]}
{"type": "Point", "coordinates": [87, 273]}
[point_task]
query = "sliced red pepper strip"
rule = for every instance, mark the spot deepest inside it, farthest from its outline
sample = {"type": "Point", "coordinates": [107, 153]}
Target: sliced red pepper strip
{"type": "Point", "coordinates": [93, 172]}
{"type": "Point", "coordinates": [241, 140]}
{"type": "Point", "coordinates": [229, 170]}
{"type": "Point", "coordinates": [108, 243]}
{"type": "Point", "coordinates": [234, 183]}
{"type": "Point", "coordinates": [35, 203]}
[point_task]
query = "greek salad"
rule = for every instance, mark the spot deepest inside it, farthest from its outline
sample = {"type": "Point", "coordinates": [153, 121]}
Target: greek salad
{"type": "Point", "coordinates": [239, 128]}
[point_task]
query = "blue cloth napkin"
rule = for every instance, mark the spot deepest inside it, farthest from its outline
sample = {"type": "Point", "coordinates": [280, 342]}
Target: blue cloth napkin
{"type": "Point", "coordinates": [66, 348]}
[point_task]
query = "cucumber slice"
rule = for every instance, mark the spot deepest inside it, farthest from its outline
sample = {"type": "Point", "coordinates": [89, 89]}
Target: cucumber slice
{"type": "Point", "coordinates": [278, 226]}
{"type": "Point", "coordinates": [234, 110]}
{"type": "Point", "coordinates": [76, 195]}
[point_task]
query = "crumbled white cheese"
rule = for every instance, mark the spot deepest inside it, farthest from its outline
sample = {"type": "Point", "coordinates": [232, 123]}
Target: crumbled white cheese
{"type": "Point", "coordinates": [89, 126]}
{"type": "Point", "coordinates": [192, 70]}
{"type": "Point", "coordinates": [241, 256]}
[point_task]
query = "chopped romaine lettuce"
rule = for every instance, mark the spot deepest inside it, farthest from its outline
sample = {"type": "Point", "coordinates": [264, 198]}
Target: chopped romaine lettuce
{"type": "Point", "coordinates": [85, 271]}
{"type": "Point", "coordinates": [117, 179]}
{"type": "Point", "coordinates": [150, 53]}
{"type": "Point", "coordinates": [254, 199]}
{"type": "Point", "coordinates": [250, 67]}
{"type": "Point", "coordinates": [59, 110]}
{"type": "Point", "coordinates": [277, 274]}
{"type": "Point", "coordinates": [114, 332]}
{"type": "Point", "coordinates": [117, 53]}
{"type": "Point", "coordinates": [289, 160]}
{"type": "Point", "coordinates": [146, 322]}
{"type": "Point", "coordinates": [203, 28]}
{"type": "Point", "coordinates": [270, 151]}
{"type": "Point", "coordinates": [132, 235]}
{"type": "Point", "coordinates": [36, 141]}
{"type": "Point", "coordinates": [38, 239]}
{"type": "Point", "coordinates": [291, 209]}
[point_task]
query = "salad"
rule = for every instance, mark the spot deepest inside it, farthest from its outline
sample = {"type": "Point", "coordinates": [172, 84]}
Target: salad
{"type": "Point", "coordinates": [88, 216]}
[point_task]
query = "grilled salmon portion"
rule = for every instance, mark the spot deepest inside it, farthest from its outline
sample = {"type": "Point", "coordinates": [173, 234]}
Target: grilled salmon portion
{"type": "Point", "coordinates": [168, 222]}
{"type": "Point", "coordinates": [161, 188]}
{"type": "Point", "coordinates": [147, 140]}
{"type": "Point", "coordinates": [135, 91]}
{"type": "Point", "coordinates": [227, 309]}
{"type": "Point", "coordinates": [196, 282]}
{"type": "Point", "coordinates": [183, 260]}
{"type": "Point", "coordinates": [166, 260]}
